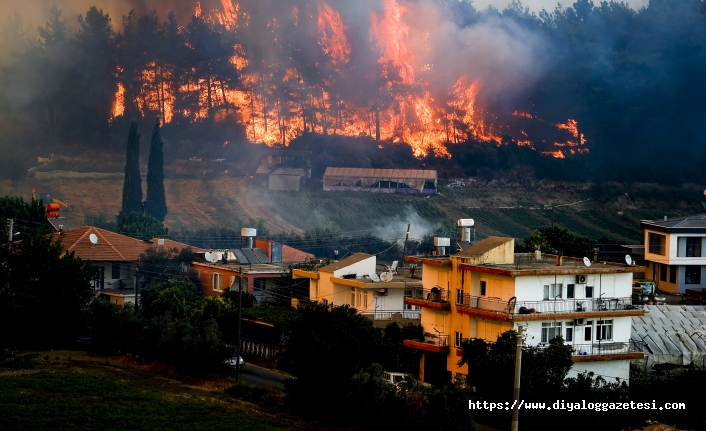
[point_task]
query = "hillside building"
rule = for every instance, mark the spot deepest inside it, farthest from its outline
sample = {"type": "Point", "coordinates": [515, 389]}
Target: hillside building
{"type": "Point", "coordinates": [675, 252]}
{"type": "Point", "coordinates": [381, 180]}
{"type": "Point", "coordinates": [487, 289]}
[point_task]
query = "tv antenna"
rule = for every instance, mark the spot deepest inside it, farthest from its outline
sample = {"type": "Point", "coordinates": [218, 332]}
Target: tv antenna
{"type": "Point", "coordinates": [628, 259]}
{"type": "Point", "coordinates": [587, 261]}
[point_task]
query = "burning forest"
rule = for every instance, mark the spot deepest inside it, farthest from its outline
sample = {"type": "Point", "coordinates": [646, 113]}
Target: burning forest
{"type": "Point", "coordinates": [439, 79]}
{"type": "Point", "coordinates": [304, 67]}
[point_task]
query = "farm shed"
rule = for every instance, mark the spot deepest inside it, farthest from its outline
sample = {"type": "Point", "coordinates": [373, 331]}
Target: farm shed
{"type": "Point", "coordinates": [287, 179]}
{"type": "Point", "coordinates": [380, 180]}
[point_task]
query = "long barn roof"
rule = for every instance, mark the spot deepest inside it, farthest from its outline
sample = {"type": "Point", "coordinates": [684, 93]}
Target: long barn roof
{"type": "Point", "coordinates": [383, 174]}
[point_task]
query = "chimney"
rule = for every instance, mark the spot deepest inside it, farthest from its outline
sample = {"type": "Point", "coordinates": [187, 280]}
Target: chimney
{"type": "Point", "coordinates": [441, 245]}
{"type": "Point", "coordinates": [559, 259]}
{"type": "Point", "coordinates": [537, 254]}
{"type": "Point", "coordinates": [665, 218]}
{"type": "Point", "coordinates": [249, 234]}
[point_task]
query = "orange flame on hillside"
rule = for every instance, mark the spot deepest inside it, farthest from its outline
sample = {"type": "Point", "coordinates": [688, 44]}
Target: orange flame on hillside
{"type": "Point", "coordinates": [276, 103]}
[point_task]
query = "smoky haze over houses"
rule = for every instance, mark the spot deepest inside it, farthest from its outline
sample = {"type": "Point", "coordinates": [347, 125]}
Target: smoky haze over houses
{"type": "Point", "coordinates": [564, 93]}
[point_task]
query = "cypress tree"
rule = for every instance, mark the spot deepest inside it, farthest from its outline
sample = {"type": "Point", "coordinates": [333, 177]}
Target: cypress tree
{"type": "Point", "coordinates": [156, 202]}
{"type": "Point", "coordinates": [132, 188]}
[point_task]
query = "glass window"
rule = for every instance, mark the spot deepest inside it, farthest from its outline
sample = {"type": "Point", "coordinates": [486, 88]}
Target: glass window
{"type": "Point", "coordinates": [604, 330]}
{"type": "Point", "coordinates": [693, 247]}
{"type": "Point", "coordinates": [217, 282]}
{"type": "Point", "coordinates": [458, 339]}
{"type": "Point", "coordinates": [115, 271]}
{"type": "Point", "coordinates": [570, 291]}
{"type": "Point", "coordinates": [352, 299]}
{"type": "Point", "coordinates": [663, 268]}
{"type": "Point", "coordinates": [692, 274]}
{"type": "Point", "coordinates": [550, 331]}
{"type": "Point", "coordinates": [552, 291]}
{"type": "Point", "coordinates": [589, 291]}
{"type": "Point", "coordinates": [459, 296]}
{"type": "Point", "coordinates": [482, 288]}
{"type": "Point", "coordinates": [656, 243]}
{"type": "Point", "coordinates": [673, 274]}
{"type": "Point", "coordinates": [587, 336]}
{"type": "Point", "coordinates": [569, 332]}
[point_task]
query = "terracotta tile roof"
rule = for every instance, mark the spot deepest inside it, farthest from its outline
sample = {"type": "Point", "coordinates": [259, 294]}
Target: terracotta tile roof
{"type": "Point", "coordinates": [484, 246]}
{"type": "Point", "coordinates": [111, 246]}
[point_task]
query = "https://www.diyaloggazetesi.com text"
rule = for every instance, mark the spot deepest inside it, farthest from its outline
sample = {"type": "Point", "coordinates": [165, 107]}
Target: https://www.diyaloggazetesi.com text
{"type": "Point", "coordinates": [574, 405]}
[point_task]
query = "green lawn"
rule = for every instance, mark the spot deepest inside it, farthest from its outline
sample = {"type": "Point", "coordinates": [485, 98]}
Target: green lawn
{"type": "Point", "coordinates": [89, 395]}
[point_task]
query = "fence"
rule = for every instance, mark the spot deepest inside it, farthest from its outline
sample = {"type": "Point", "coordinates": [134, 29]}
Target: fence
{"type": "Point", "coordinates": [260, 350]}
{"type": "Point", "coordinates": [435, 294]}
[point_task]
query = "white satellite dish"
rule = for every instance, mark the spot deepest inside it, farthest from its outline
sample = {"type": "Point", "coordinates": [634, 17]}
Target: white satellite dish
{"type": "Point", "coordinates": [628, 259]}
{"type": "Point", "coordinates": [214, 258]}
{"type": "Point", "coordinates": [207, 256]}
{"type": "Point", "coordinates": [93, 238]}
{"type": "Point", "coordinates": [587, 261]}
{"type": "Point", "coordinates": [374, 277]}
{"type": "Point", "coordinates": [386, 277]}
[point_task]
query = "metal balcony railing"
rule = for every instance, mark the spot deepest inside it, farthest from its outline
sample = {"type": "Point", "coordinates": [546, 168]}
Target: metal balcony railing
{"type": "Point", "coordinates": [546, 306]}
{"type": "Point", "coordinates": [387, 314]}
{"type": "Point", "coordinates": [606, 347]}
{"type": "Point", "coordinates": [435, 294]}
{"type": "Point", "coordinates": [574, 305]}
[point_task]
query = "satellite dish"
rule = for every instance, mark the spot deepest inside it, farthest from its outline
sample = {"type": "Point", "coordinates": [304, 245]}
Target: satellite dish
{"type": "Point", "coordinates": [214, 258]}
{"type": "Point", "coordinates": [587, 261]}
{"type": "Point", "coordinates": [374, 277]}
{"type": "Point", "coordinates": [207, 256]}
{"type": "Point", "coordinates": [628, 259]}
{"type": "Point", "coordinates": [94, 238]}
{"type": "Point", "coordinates": [386, 277]}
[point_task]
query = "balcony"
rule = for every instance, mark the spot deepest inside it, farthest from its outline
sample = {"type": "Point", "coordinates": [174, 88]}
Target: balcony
{"type": "Point", "coordinates": [436, 343]}
{"type": "Point", "coordinates": [495, 308]}
{"type": "Point", "coordinates": [387, 314]}
{"type": "Point", "coordinates": [606, 351]}
{"type": "Point", "coordinates": [435, 298]}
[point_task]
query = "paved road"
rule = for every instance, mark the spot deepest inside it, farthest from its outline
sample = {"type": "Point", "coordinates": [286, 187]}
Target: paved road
{"type": "Point", "coordinates": [260, 376]}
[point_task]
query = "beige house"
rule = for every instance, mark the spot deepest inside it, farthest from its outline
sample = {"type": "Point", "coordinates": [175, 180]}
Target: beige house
{"type": "Point", "coordinates": [354, 281]}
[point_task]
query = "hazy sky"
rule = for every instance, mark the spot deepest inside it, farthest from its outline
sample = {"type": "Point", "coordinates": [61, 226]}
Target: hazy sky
{"type": "Point", "coordinates": [549, 5]}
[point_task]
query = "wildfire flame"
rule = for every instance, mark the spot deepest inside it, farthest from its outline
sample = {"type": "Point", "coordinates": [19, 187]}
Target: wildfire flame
{"type": "Point", "coordinates": [276, 102]}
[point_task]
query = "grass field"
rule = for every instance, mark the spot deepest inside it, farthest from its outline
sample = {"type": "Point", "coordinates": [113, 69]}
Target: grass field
{"type": "Point", "coordinates": [75, 391]}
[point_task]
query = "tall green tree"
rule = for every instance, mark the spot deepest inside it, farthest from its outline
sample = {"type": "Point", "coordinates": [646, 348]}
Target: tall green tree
{"type": "Point", "coordinates": [156, 202]}
{"type": "Point", "coordinates": [132, 188]}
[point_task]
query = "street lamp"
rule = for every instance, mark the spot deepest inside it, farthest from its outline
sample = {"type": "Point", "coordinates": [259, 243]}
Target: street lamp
{"type": "Point", "coordinates": [335, 255]}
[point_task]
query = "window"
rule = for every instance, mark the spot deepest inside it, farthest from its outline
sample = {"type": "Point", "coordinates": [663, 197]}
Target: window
{"type": "Point", "coordinates": [663, 268]}
{"type": "Point", "coordinates": [587, 336]}
{"type": "Point", "coordinates": [232, 281]}
{"type": "Point", "coordinates": [673, 274]}
{"type": "Point", "coordinates": [217, 282]}
{"type": "Point", "coordinates": [482, 288]}
{"type": "Point", "coordinates": [352, 298]}
{"type": "Point", "coordinates": [552, 291]}
{"type": "Point", "coordinates": [115, 271]}
{"type": "Point", "coordinates": [656, 243]}
{"type": "Point", "coordinates": [459, 296]}
{"type": "Point", "coordinates": [412, 307]}
{"type": "Point", "coordinates": [550, 331]}
{"type": "Point", "coordinates": [604, 330]}
{"type": "Point", "coordinates": [589, 291]}
{"type": "Point", "coordinates": [692, 274]}
{"type": "Point", "coordinates": [569, 332]}
{"type": "Point", "coordinates": [458, 339]}
{"type": "Point", "coordinates": [570, 291]}
{"type": "Point", "coordinates": [693, 247]}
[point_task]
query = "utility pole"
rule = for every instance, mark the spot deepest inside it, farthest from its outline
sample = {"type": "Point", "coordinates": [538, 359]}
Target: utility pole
{"type": "Point", "coordinates": [404, 249]}
{"type": "Point", "coordinates": [10, 225]}
{"type": "Point", "coordinates": [240, 309]}
{"type": "Point", "coordinates": [518, 367]}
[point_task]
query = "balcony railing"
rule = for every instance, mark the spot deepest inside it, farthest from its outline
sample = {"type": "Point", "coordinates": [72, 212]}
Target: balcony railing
{"type": "Point", "coordinates": [546, 306]}
{"type": "Point", "coordinates": [387, 315]}
{"type": "Point", "coordinates": [435, 294]}
{"type": "Point", "coordinates": [574, 305]}
{"type": "Point", "coordinates": [435, 340]}
{"type": "Point", "coordinates": [606, 348]}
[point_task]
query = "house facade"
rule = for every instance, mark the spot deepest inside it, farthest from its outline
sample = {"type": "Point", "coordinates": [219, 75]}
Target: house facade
{"type": "Point", "coordinates": [487, 289]}
{"type": "Point", "coordinates": [675, 252]}
{"type": "Point", "coordinates": [354, 281]}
